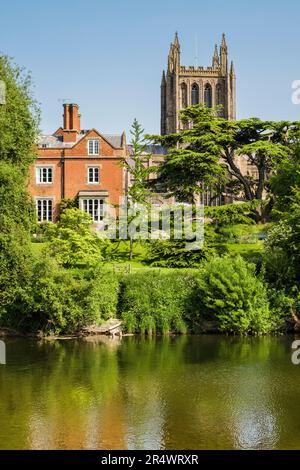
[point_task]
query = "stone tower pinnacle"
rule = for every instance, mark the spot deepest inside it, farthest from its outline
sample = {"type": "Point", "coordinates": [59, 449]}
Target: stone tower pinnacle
{"type": "Point", "coordinates": [216, 59]}
{"type": "Point", "coordinates": [174, 55]}
{"type": "Point", "coordinates": [176, 41]}
{"type": "Point", "coordinates": [232, 71]}
{"type": "Point", "coordinates": [224, 56]}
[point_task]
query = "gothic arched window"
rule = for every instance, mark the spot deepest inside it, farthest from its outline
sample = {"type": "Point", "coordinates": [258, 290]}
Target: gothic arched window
{"type": "Point", "coordinates": [195, 94]}
{"type": "Point", "coordinates": [218, 94]}
{"type": "Point", "coordinates": [184, 102]}
{"type": "Point", "coordinates": [208, 96]}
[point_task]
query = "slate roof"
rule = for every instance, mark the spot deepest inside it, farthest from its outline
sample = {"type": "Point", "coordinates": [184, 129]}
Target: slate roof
{"type": "Point", "coordinates": [56, 141]}
{"type": "Point", "coordinates": [154, 149]}
{"type": "Point", "coordinates": [114, 139]}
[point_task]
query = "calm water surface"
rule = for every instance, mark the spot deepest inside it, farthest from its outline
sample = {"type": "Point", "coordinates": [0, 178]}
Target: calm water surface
{"type": "Point", "coordinates": [205, 392]}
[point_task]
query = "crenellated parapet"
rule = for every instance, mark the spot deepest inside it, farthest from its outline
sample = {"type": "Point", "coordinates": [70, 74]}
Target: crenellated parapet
{"type": "Point", "coordinates": [199, 71]}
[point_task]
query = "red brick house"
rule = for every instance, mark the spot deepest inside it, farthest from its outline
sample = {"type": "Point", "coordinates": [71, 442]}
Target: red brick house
{"type": "Point", "coordinates": [77, 163]}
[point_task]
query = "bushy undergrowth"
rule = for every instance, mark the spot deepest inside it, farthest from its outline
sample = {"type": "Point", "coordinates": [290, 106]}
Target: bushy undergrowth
{"type": "Point", "coordinates": [174, 254]}
{"type": "Point", "coordinates": [60, 301]}
{"type": "Point", "coordinates": [155, 301]}
{"type": "Point", "coordinates": [229, 292]}
{"type": "Point", "coordinates": [225, 291]}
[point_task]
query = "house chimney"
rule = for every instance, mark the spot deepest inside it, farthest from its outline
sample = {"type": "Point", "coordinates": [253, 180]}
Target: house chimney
{"type": "Point", "coordinates": [71, 117]}
{"type": "Point", "coordinates": [71, 122]}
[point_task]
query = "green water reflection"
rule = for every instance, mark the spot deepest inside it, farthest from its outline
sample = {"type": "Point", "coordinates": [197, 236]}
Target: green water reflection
{"type": "Point", "coordinates": [205, 392]}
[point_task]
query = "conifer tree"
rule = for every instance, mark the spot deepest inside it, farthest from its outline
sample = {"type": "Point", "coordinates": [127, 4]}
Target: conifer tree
{"type": "Point", "coordinates": [139, 171]}
{"type": "Point", "coordinates": [204, 154]}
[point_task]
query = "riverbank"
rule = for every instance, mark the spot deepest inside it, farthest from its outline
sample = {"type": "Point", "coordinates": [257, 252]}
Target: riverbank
{"type": "Point", "coordinates": [206, 329]}
{"type": "Point", "coordinates": [224, 295]}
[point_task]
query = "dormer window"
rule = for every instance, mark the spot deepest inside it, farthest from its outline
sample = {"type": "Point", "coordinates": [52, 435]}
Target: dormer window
{"type": "Point", "coordinates": [93, 146]}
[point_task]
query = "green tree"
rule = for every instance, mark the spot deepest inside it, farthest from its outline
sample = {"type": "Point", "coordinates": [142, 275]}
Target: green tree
{"type": "Point", "coordinates": [73, 242]}
{"type": "Point", "coordinates": [205, 155]}
{"type": "Point", "coordinates": [19, 116]}
{"type": "Point", "coordinates": [230, 293]}
{"type": "Point", "coordinates": [18, 129]}
{"type": "Point", "coordinates": [137, 166]}
{"type": "Point", "coordinates": [283, 244]}
{"type": "Point", "coordinates": [60, 301]}
{"type": "Point", "coordinates": [231, 214]}
{"type": "Point", "coordinates": [284, 181]}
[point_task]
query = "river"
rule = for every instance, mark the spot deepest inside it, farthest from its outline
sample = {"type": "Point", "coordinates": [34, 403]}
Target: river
{"type": "Point", "coordinates": [201, 392]}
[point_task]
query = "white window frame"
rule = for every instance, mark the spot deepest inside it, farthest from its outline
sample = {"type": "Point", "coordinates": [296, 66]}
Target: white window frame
{"type": "Point", "coordinates": [93, 146]}
{"type": "Point", "coordinates": [39, 169]}
{"type": "Point", "coordinates": [94, 170]}
{"type": "Point", "coordinates": [46, 211]}
{"type": "Point", "coordinates": [93, 206]}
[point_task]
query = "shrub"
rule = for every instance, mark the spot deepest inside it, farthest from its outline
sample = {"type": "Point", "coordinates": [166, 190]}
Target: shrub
{"type": "Point", "coordinates": [174, 254]}
{"type": "Point", "coordinates": [282, 306]}
{"type": "Point", "coordinates": [102, 295]}
{"type": "Point", "coordinates": [59, 301]}
{"type": "Point", "coordinates": [229, 292]}
{"type": "Point", "coordinates": [154, 301]}
{"type": "Point", "coordinates": [73, 243]}
{"type": "Point", "coordinates": [16, 214]}
{"type": "Point", "coordinates": [231, 214]}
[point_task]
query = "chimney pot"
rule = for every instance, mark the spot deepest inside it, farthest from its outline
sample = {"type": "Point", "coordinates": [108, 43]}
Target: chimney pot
{"type": "Point", "coordinates": [71, 117]}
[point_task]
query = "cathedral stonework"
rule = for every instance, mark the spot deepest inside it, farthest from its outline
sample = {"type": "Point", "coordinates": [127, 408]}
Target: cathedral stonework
{"type": "Point", "coordinates": [185, 86]}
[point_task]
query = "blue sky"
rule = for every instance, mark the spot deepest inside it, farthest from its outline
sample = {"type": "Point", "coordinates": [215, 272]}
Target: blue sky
{"type": "Point", "coordinates": [108, 56]}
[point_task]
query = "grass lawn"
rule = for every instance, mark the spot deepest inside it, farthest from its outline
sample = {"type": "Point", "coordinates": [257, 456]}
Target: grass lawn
{"type": "Point", "coordinates": [241, 248]}
{"type": "Point", "coordinates": [251, 251]}
{"type": "Point", "coordinates": [121, 254]}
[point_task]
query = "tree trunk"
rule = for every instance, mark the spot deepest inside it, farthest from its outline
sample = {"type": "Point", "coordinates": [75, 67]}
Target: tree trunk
{"type": "Point", "coordinates": [235, 171]}
{"type": "Point", "coordinates": [131, 249]}
{"type": "Point", "coordinates": [261, 180]}
{"type": "Point", "coordinates": [296, 321]}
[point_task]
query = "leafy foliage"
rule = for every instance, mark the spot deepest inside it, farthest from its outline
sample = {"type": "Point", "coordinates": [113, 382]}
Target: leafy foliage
{"type": "Point", "coordinates": [284, 181]}
{"type": "Point", "coordinates": [231, 214]}
{"type": "Point", "coordinates": [73, 242]}
{"type": "Point", "coordinates": [228, 291]}
{"type": "Point", "coordinates": [139, 170]}
{"type": "Point", "coordinates": [283, 247]}
{"type": "Point", "coordinates": [152, 301]}
{"type": "Point", "coordinates": [193, 157]}
{"type": "Point", "coordinates": [207, 153]}
{"type": "Point", "coordinates": [18, 127]}
{"type": "Point", "coordinates": [68, 204]}
{"type": "Point", "coordinates": [137, 166]}
{"type": "Point", "coordinates": [19, 117]}
{"type": "Point", "coordinates": [174, 254]}
{"type": "Point", "coordinates": [58, 301]}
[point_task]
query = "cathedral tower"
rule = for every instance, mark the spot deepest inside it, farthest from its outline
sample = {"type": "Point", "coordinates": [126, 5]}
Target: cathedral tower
{"type": "Point", "coordinates": [186, 86]}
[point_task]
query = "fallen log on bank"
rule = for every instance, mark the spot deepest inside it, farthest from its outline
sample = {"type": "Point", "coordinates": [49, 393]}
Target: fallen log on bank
{"type": "Point", "coordinates": [112, 327]}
